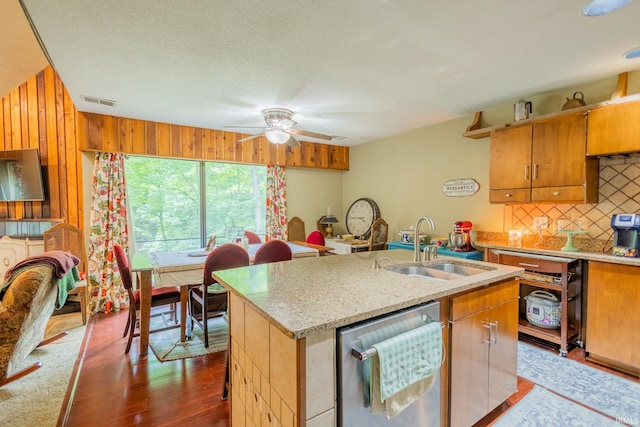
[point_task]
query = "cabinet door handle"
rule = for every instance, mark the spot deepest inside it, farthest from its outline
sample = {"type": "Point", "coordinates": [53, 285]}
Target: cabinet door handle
{"type": "Point", "coordinates": [535, 171]}
{"type": "Point", "coordinates": [494, 338]}
{"type": "Point", "coordinates": [487, 326]}
{"type": "Point", "coordinates": [556, 193]}
{"type": "Point", "coordinates": [507, 195]}
{"type": "Point", "coordinates": [526, 264]}
{"type": "Point", "coordinates": [526, 172]}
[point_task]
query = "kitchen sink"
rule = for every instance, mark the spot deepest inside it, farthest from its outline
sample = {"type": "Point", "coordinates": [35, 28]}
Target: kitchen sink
{"type": "Point", "coordinates": [442, 271]}
{"type": "Point", "coordinates": [463, 270]}
{"type": "Point", "coordinates": [418, 270]}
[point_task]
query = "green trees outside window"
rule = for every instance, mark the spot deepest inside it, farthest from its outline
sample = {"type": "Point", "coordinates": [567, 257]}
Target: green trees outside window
{"type": "Point", "coordinates": [178, 204]}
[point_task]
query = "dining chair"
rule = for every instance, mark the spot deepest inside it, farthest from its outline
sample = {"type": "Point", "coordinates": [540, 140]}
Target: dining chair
{"type": "Point", "coordinates": [169, 295]}
{"type": "Point", "coordinates": [68, 238]}
{"type": "Point", "coordinates": [211, 297]}
{"type": "Point", "coordinates": [272, 251]}
{"type": "Point", "coordinates": [252, 237]}
{"type": "Point", "coordinates": [295, 229]}
{"type": "Point", "coordinates": [379, 234]}
{"type": "Point", "coordinates": [316, 238]}
{"type": "Point", "coordinates": [322, 228]}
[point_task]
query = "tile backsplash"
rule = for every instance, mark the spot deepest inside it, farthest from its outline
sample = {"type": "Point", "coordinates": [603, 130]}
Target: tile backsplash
{"type": "Point", "coordinates": [619, 192]}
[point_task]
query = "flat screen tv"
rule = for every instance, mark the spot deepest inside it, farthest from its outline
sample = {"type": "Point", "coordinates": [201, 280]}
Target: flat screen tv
{"type": "Point", "coordinates": [21, 176]}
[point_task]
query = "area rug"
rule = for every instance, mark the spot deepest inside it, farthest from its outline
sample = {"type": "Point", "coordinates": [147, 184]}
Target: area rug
{"type": "Point", "coordinates": [609, 394]}
{"type": "Point", "coordinates": [36, 399]}
{"type": "Point", "coordinates": [166, 345]}
{"type": "Point", "coordinates": [541, 407]}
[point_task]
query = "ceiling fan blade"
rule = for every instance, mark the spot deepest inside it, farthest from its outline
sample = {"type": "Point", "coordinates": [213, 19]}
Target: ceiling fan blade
{"type": "Point", "coordinates": [251, 137]}
{"type": "Point", "coordinates": [244, 127]}
{"type": "Point", "coordinates": [310, 134]}
{"type": "Point", "coordinates": [292, 142]}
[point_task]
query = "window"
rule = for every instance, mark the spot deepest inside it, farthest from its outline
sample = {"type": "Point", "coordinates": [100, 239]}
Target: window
{"type": "Point", "coordinates": [178, 204]}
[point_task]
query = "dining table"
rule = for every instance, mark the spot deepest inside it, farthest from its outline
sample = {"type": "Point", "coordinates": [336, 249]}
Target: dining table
{"type": "Point", "coordinates": [183, 268]}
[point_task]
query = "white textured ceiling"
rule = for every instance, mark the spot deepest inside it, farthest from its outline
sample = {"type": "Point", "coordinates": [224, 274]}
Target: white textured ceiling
{"type": "Point", "coordinates": [358, 69]}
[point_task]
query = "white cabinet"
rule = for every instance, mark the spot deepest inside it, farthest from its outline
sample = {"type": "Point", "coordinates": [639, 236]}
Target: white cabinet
{"type": "Point", "coordinates": [14, 250]}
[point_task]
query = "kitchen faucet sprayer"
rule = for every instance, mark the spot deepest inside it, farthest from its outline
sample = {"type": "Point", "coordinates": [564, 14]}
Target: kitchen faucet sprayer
{"type": "Point", "coordinates": [376, 263]}
{"type": "Point", "coordinates": [416, 240]}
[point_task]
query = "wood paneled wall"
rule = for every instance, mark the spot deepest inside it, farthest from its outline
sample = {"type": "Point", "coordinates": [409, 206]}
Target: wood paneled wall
{"type": "Point", "coordinates": [40, 114]}
{"type": "Point", "coordinates": [97, 132]}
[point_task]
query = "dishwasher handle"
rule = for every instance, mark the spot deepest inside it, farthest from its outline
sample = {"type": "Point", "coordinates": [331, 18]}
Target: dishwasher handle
{"type": "Point", "coordinates": [362, 354]}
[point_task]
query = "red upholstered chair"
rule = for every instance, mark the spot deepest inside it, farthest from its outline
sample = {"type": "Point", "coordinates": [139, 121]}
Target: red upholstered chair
{"type": "Point", "coordinates": [316, 238]}
{"type": "Point", "coordinates": [252, 237]}
{"type": "Point", "coordinates": [211, 298]}
{"type": "Point", "coordinates": [272, 251]}
{"type": "Point", "coordinates": [169, 295]}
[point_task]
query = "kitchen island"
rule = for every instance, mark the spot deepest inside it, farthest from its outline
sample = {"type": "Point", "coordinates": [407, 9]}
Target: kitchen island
{"type": "Point", "coordinates": [283, 318]}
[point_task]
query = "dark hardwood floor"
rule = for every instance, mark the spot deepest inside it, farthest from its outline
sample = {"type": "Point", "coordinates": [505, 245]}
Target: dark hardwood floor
{"type": "Point", "coordinates": [114, 389]}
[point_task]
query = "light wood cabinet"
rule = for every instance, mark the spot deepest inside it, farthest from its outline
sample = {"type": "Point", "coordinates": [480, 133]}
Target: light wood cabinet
{"type": "Point", "coordinates": [484, 351]}
{"type": "Point", "coordinates": [614, 130]}
{"type": "Point", "coordinates": [14, 250]}
{"type": "Point", "coordinates": [613, 319]}
{"type": "Point", "coordinates": [543, 162]}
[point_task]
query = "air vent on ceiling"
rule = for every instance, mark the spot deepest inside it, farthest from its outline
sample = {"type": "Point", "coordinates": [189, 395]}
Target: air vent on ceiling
{"type": "Point", "coordinates": [100, 101]}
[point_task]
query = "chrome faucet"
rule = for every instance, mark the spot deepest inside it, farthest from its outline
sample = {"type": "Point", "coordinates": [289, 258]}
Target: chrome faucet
{"type": "Point", "coordinates": [416, 237]}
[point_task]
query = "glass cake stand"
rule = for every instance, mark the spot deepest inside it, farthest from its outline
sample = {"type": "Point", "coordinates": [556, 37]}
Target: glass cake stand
{"type": "Point", "coordinates": [568, 247]}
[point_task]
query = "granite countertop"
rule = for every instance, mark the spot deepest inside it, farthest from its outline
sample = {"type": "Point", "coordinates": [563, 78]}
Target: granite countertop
{"type": "Point", "coordinates": [309, 295]}
{"type": "Point", "coordinates": [585, 255]}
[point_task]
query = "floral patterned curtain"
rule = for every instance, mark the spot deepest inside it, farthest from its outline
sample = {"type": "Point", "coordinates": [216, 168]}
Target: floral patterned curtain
{"type": "Point", "coordinates": [276, 227]}
{"type": "Point", "coordinates": [108, 226]}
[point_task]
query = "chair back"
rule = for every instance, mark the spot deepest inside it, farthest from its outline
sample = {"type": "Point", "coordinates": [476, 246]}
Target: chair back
{"type": "Point", "coordinates": [123, 266]}
{"type": "Point", "coordinates": [322, 228]}
{"type": "Point", "coordinates": [316, 238]}
{"type": "Point", "coordinates": [379, 234]}
{"type": "Point", "coordinates": [252, 237]}
{"type": "Point", "coordinates": [295, 229]}
{"type": "Point", "coordinates": [273, 251]}
{"type": "Point", "coordinates": [65, 237]}
{"type": "Point", "coordinates": [227, 255]}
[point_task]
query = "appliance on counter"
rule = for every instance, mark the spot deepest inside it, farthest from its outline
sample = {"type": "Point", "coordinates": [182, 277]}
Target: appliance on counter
{"type": "Point", "coordinates": [353, 405]}
{"type": "Point", "coordinates": [625, 234]}
{"type": "Point", "coordinates": [460, 239]}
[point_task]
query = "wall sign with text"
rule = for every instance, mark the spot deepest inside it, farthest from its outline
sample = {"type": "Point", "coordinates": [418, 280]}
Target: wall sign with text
{"type": "Point", "coordinates": [460, 187]}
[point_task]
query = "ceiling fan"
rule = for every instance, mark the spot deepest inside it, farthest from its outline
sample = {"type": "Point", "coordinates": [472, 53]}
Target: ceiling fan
{"type": "Point", "coordinates": [281, 128]}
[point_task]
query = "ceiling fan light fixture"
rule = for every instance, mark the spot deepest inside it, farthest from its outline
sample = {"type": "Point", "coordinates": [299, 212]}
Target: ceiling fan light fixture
{"type": "Point", "coordinates": [633, 53]}
{"type": "Point", "coordinates": [602, 7]}
{"type": "Point", "coordinates": [277, 136]}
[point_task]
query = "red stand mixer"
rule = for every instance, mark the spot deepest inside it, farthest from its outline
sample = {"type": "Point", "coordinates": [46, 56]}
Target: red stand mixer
{"type": "Point", "coordinates": [460, 239]}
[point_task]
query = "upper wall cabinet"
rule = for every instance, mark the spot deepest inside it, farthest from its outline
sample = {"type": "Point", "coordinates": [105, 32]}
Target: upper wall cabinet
{"type": "Point", "coordinates": [543, 161]}
{"type": "Point", "coordinates": [614, 130]}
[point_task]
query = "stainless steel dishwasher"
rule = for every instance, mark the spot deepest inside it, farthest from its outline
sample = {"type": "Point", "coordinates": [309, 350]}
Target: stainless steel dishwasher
{"type": "Point", "coordinates": [353, 399]}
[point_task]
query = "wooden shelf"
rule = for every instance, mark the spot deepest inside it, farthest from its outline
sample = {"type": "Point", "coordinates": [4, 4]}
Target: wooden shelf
{"type": "Point", "coordinates": [551, 335]}
{"type": "Point", "coordinates": [474, 131]}
{"type": "Point", "coordinates": [544, 285]}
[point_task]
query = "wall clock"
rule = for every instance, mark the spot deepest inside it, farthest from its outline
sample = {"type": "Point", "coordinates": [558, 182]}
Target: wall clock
{"type": "Point", "coordinates": [360, 217]}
